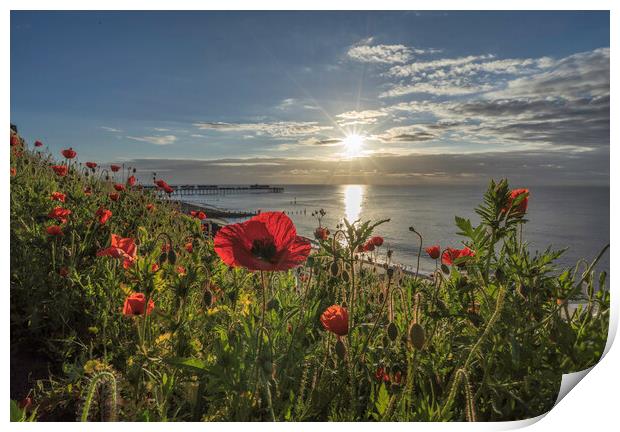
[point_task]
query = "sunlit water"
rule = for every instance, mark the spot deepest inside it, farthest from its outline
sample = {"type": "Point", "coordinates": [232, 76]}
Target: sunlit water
{"type": "Point", "coordinates": [574, 217]}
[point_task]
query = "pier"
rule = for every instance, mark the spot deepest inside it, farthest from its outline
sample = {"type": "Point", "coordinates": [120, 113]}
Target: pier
{"type": "Point", "coordinates": [185, 190]}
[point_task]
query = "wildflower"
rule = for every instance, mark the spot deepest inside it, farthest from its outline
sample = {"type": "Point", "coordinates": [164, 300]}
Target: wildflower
{"type": "Point", "coordinates": [119, 187]}
{"type": "Point", "coordinates": [124, 248]}
{"type": "Point", "coordinates": [165, 248]}
{"type": "Point", "coordinates": [521, 208]}
{"type": "Point", "coordinates": [58, 196]}
{"type": "Point", "coordinates": [336, 320]}
{"type": "Point", "coordinates": [13, 172]}
{"type": "Point", "coordinates": [63, 271]}
{"type": "Point", "coordinates": [189, 247]}
{"type": "Point", "coordinates": [376, 241]}
{"type": "Point", "coordinates": [60, 214]}
{"type": "Point", "coordinates": [131, 181]}
{"type": "Point", "coordinates": [91, 165]}
{"type": "Point", "coordinates": [15, 141]}
{"type": "Point", "coordinates": [114, 196]}
{"type": "Point", "coordinates": [69, 153]}
{"type": "Point", "coordinates": [150, 206]}
{"type": "Point", "coordinates": [451, 254]}
{"type": "Point", "coordinates": [135, 304]}
{"type": "Point", "coordinates": [168, 189]}
{"type": "Point", "coordinates": [200, 215]}
{"type": "Point", "coordinates": [433, 251]}
{"type": "Point", "coordinates": [103, 214]}
{"type": "Point", "coordinates": [321, 233]}
{"type": "Point", "coordinates": [161, 184]}
{"type": "Point", "coordinates": [267, 241]}
{"type": "Point", "coordinates": [181, 270]}
{"type": "Point", "coordinates": [60, 170]}
{"type": "Point", "coordinates": [38, 143]}
{"type": "Point", "coordinates": [115, 168]}
{"type": "Point", "coordinates": [382, 375]}
{"type": "Point", "coordinates": [54, 230]}
{"type": "Point", "coordinates": [88, 191]}
{"type": "Point", "coordinates": [25, 403]}
{"type": "Point", "coordinates": [154, 267]}
{"type": "Point", "coordinates": [397, 377]}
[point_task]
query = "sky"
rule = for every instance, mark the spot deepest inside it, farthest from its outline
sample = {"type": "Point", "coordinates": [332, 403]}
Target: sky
{"type": "Point", "coordinates": [320, 97]}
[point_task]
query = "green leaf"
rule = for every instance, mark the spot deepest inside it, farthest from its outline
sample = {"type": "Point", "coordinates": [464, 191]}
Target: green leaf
{"type": "Point", "coordinates": [190, 363]}
{"type": "Point", "coordinates": [17, 414]}
{"type": "Point", "coordinates": [383, 400]}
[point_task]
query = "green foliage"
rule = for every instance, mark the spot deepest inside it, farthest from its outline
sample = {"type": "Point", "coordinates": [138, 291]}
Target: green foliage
{"type": "Point", "coordinates": [486, 340]}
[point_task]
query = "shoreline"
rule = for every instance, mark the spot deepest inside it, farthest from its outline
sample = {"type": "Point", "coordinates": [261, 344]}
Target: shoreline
{"type": "Point", "coordinates": [211, 211]}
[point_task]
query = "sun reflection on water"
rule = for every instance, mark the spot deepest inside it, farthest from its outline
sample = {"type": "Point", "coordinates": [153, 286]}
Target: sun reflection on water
{"type": "Point", "coordinates": [353, 197]}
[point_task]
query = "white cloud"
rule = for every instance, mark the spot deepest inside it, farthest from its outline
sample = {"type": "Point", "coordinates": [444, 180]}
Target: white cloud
{"type": "Point", "coordinates": [157, 140]}
{"type": "Point", "coordinates": [380, 53]}
{"type": "Point", "coordinates": [440, 88]}
{"type": "Point", "coordinates": [110, 129]}
{"type": "Point", "coordinates": [276, 129]}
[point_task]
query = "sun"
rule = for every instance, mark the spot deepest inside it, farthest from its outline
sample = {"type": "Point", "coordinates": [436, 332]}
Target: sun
{"type": "Point", "coordinates": [353, 145]}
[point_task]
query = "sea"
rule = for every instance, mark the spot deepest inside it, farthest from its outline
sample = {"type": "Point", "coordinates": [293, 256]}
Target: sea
{"type": "Point", "coordinates": [559, 217]}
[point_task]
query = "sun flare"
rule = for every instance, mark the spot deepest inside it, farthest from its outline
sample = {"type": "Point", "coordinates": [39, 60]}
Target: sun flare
{"type": "Point", "coordinates": [353, 145]}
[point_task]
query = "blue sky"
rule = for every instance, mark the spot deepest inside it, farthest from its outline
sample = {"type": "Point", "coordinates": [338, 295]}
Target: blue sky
{"type": "Point", "coordinates": [271, 96]}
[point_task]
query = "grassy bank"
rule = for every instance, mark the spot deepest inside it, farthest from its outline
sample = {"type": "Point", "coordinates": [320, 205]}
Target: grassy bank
{"type": "Point", "coordinates": [135, 314]}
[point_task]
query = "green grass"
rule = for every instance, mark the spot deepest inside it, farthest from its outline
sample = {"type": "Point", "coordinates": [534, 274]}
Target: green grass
{"type": "Point", "coordinates": [483, 340]}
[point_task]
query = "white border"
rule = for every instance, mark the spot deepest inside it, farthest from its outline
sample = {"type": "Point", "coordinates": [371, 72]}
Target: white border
{"type": "Point", "coordinates": [592, 407]}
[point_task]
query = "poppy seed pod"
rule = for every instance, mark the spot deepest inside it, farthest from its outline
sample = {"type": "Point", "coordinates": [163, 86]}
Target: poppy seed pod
{"type": "Point", "coordinates": [162, 258]}
{"type": "Point", "coordinates": [334, 269]}
{"type": "Point", "coordinates": [207, 298]}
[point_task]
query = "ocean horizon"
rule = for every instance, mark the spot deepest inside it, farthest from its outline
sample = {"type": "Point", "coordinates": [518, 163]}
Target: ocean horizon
{"type": "Point", "coordinates": [572, 217]}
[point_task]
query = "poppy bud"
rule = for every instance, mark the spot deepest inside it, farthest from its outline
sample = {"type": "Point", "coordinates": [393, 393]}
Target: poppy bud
{"type": "Point", "coordinates": [390, 272]}
{"type": "Point", "coordinates": [334, 268]}
{"type": "Point", "coordinates": [207, 298]}
{"type": "Point", "coordinates": [445, 269]}
{"type": "Point", "coordinates": [417, 336]}
{"type": "Point", "coordinates": [392, 331]}
{"type": "Point", "coordinates": [172, 257]}
{"type": "Point", "coordinates": [162, 258]}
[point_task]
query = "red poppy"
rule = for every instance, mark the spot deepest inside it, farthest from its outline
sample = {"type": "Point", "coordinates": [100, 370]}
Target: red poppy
{"type": "Point", "coordinates": [154, 267]}
{"type": "Point", "coordinates": [336, 320]}
{"type": "Point", "coordinates": [91, 165]}
{"type": "Point", "coordinates": [366, 247]}
{"type": "Point", "coordinates": [60, 214]}
{"type": "Point", "coordinates": [168, 189]}
{"type": "Point", "coordinates": [124, 248]}
{"type": "Point", "coordinates": [193, 213]}
{"type": "Point", "coordinates": [15, 140]}
{"type": "Point", "coordinates": [150, 206]}
{"type": "Point", "coordinates": [13, 172]}
{"type": "Point", "coordinates": [131, 181]}
{"type": "Point", "coordinates": [398, 376]}
{"type": "Point", "coordinates": [114, 196]}
{"type": "Point", "coordinates": [321, 233]}
{"type": "Point", "coordinates": [135, 304]}
{"type": "Point", "coordinates": [161, 183]}
{"type": "Point", "coordinates": [25, 403]}
{"type": "Point", "coordinates": [189, 247]}
{"type": "Point", "coordinates": [63, 271]}
{"type": "Point", "coordinates": [382, 375]}
{"type": "Point", "coordinates": [201, 215]}
{"type": "Point", "coordinates": [521, 208]}
{"type": "Point", "coordinates": [87, 190]}
{"type": "Point", "coordinates": [69, 153]}
{"type": "Point", "coordinates": [54, 230]}
{"type": "Point", "coordinates": [115, 168]}
{"type": "Point", "coordinates": [451, 254]}
{"type": "Point", "coordinates": [103, 215]}
{"type": "Point", "coordinates": [376, 240]}
{"type": "Point", "coordinates": [119, 187]}
{"type": "Point", "coordinates": [38, 143]}
{"type": "Point", "coordinates": [165, 248]}
{"type": "Point", "coordinates": [267, 241]}
{"type": "Point", "coordinates": [181, 270]}
{"type": "Point", "coordinates": [61, 170]}
{"type": "Point", "coordinates": [58, 196]}
{"type": "Point", "coordinates": [433, 251]}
